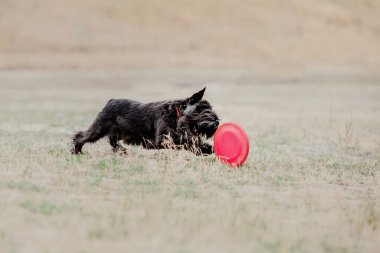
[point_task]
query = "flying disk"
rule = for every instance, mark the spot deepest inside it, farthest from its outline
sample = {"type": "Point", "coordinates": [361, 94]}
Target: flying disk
{"type": "Point", "coordinates": [231, 144]}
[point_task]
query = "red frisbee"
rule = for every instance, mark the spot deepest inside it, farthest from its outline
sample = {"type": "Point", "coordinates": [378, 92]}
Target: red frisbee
{"type": "Point", "coordinates": [231, 144]}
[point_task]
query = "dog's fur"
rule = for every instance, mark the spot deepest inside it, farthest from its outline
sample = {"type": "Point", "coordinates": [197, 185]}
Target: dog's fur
{"type": "Point", "coordinates": [184, 122]}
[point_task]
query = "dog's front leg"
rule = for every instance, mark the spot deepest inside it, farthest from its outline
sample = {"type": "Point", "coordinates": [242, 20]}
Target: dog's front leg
{"type": "Point", "coordinates": [190, 141]}
{"type": "Point", "coordinates": [164, 137]}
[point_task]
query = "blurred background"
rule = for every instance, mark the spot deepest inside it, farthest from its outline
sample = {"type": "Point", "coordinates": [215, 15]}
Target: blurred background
{"type": "Point", "coordinates": [264, 36]}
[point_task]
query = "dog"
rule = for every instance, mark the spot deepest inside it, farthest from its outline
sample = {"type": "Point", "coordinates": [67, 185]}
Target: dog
{"type": "Point", "coordinates": [184, 123]}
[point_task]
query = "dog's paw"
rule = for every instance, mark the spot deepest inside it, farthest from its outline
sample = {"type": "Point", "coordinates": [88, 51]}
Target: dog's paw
{"type": "Point", "coordinates": [120, 150]}
{"type": "Point", "coordinates": [75, 151]}
{"type": "Point", "coordinates": [206, 149]}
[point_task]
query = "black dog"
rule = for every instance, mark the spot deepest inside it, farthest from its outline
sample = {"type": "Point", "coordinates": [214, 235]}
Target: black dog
{"type": "Point", "coordinates": [183, 122]}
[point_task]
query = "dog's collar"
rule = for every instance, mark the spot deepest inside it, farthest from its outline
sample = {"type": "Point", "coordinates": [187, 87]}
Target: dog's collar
{"type": "Point", "coordinates": [178, 113]}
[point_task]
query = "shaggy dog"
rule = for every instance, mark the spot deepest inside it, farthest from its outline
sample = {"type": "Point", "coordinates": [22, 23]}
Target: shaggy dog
{"type": "Point", "coordinates": [184, 123]}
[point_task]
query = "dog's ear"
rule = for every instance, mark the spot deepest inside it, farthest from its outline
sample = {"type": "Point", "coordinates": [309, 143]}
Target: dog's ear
{"type": "Point", "coordinates": [196, 97]}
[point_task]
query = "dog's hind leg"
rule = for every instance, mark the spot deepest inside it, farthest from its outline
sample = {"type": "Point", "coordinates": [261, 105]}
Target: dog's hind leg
{"type": "Point", "coordinates": [77, 148]}
{"type": "Point", "coordinates": [114, 142]}
{"type": "Point", "coordinates": [94, 133]}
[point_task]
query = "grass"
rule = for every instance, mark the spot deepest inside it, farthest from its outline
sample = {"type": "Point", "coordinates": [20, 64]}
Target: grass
{"type": "Point", "coordinates": [310, 184]}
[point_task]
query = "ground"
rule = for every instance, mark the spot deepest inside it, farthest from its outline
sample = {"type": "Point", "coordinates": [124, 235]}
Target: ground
{"type": "Point", "coordinates": [310, 184]}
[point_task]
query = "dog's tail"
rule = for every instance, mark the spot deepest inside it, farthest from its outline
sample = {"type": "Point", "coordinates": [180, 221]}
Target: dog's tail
{"type": "Point", "coordinates": [77, 136]}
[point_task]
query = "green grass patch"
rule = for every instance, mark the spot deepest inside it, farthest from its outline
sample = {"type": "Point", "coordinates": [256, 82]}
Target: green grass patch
{"type": "Point", "coordinates": [44, 207]}
{"type": "Point", "coordinates": [25, 186]}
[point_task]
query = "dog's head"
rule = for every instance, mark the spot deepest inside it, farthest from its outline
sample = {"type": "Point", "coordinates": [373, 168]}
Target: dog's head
{"type": "Point", "coordinates": [197, 115]}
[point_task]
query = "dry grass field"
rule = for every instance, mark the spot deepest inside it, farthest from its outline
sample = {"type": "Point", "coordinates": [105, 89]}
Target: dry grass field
{"type": "Point", "coordinates": [301, 77]}
{"type": "Point", "coordinates": [310, 184]}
